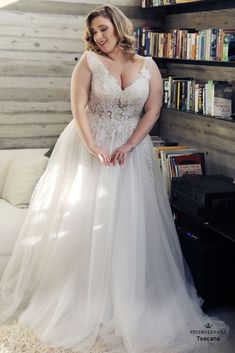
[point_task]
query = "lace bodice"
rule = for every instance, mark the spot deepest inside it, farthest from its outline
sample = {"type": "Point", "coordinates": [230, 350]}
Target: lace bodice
{"type": "Point", "coordinates": [114, 112]}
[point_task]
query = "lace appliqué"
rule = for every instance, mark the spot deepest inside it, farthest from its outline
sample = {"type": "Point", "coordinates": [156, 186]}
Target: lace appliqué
{"type": "Point", "coordinates": [19, 339]}
{"type": "Point", "coordinates": [114, 113]}
{"type": "Point", "coordinates": [148, 155]}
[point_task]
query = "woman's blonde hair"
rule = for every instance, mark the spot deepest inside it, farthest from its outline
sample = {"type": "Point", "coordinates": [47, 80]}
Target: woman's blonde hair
{"type": "Point", "coordinates": [122, 25]}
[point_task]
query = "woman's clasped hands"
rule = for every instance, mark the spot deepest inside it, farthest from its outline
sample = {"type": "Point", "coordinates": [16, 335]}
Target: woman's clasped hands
{"type": "Point", "coordinates": [119, 156]}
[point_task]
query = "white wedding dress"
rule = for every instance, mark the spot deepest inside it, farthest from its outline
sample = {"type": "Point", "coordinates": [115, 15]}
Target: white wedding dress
{"type": "Point", "coordinates": [98, 258]}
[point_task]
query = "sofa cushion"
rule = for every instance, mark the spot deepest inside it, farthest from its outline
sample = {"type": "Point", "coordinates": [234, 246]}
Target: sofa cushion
{"type": "Point", "coordinates": [7, 155]}
{"type": "Point", "coordinates": [11, 221]}
{"type": "Point", "coordinates": [22, 177]}
{"type": "Point", "coordinates": [4, 165]}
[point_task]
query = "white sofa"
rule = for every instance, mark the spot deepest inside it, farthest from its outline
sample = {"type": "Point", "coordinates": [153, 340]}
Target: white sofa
{"type": "Point", "coordinates": [20, 171]}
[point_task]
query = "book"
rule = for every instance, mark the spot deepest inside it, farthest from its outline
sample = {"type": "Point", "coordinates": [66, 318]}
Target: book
{"type": "Point", "coordinates": [193, 163]}
{"type": "Point", "coordinates": [167, 164]}
{"type": "Point", "coordinates": [165, 91]}
{"type": "Point", "coordinates": [137, 34]}
{"type": "Point", "coordinates": [169, 149]}
{"type": "Point", "coordinates": [213, 41]}
{"type": "Point", "coordinates": [228, 42]}
{"type": "Point", "coordinates": [189, 169]}
{"type": "Point", "coordinates": [231, 47]}
{"type": "Point", "coordinates": [222, 99]}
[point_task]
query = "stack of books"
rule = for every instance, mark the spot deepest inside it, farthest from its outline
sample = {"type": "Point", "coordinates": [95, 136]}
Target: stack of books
{"type": "Point", "coordinates": [178, 161]}
{"type": "Point", "coordinates": [151, 3]}
{"type": "Point", "coordinates": [213, 98]}
{"type": "Point", "coordinates": [212, 44]}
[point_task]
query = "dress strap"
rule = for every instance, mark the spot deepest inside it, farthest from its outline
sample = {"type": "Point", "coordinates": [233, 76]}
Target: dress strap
{"type": "Point", "coordinates": [90, 59]}
{"type": "Point", "coordinates": [146, 63]}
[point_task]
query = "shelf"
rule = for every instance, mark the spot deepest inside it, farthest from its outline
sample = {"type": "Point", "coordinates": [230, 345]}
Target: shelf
{"type": "Point", "coordinates": [195, 6]}
{"type": "Point", "coordinates": [197, 62]}
{"type": "Point", "coordinates": [198, 115]}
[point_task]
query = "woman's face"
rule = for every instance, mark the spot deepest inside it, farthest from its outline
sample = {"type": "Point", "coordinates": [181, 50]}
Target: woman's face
{"type": "Point", "coordinates": [104, 34]}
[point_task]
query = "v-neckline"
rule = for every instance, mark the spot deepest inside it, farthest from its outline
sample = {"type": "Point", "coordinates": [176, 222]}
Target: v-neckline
{"type": "Point", "coordinates": [142, 68]}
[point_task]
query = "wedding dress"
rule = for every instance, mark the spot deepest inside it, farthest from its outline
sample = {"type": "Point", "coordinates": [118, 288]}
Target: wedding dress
{"type": "Point", "coordinates": [98, 258]}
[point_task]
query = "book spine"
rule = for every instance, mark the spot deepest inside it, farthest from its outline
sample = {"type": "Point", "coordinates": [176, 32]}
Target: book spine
{"type": "Point", "coordinates": [147, 43]}
{"type": "Point", "coordinates": [193, 49]}
{"type": "Point", "coordinates": [209, 96]}
{"type": "Point", "coordinates": [174, 43]}
{"type": "Point", "coordinates": [219, 45]}
{"type": "Point", "coordinates": [225, 47]}
{"type": "Point", "coordinates": [166, 91]}
{"type": "Point", "coordinates": [138, 39]}
{"type": "Point", "coordinates": [188, 95]}
{"type": "Point", "coordinates": [196, 95]}
{"type": "Point", "coordinates": [178, 95]}
{"type": "Point", "coordinates": [196, 46]}
{"type": "Point", "coordinates": [169, 102]}
{"type": "Point", "coordinates": [156, 45]}
{"type": "Point", "coordinates": [200, 99]}
{"type": "Point", "coordinates": [213, 46]}
{"type": "Point", "coordinates": [174, 94]}
{"type": "Point", "coordinates": [202, 46]}
{"type": "Point", "coordinates": [231, 47]}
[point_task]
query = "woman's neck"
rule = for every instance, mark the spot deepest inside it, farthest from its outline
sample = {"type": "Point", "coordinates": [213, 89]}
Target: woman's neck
{"type": "Point", "coordinates": [118, 55]}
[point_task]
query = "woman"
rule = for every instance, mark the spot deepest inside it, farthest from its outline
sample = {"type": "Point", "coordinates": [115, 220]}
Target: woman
{"type": "Point", "coordinates": [97, 263]}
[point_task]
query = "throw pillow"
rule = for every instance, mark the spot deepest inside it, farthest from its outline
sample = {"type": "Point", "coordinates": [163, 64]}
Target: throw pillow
{"type": "Point", "coordinates": [21, 179]}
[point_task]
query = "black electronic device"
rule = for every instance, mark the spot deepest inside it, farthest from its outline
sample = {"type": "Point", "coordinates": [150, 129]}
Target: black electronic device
{"type": "Point", "coordinates": [206, 198]}
{"type": "Point", "coordinates": [210, 258]}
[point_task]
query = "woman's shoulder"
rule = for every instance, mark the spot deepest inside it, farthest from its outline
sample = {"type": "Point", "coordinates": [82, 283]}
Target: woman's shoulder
{"type": "Point", "coordinates": [142, 58]}
{"type": "Point", "coordinates": [138, 58]}
{"type": "Point", "coordinates": [82, 64]}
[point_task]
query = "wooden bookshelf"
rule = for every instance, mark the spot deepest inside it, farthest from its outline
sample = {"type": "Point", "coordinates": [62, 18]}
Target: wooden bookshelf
{"type": "Point", "coordinates": [195, 6]}
{"type": "Point", "coordinates": [198, 115]}
{"type": "Point", "coordinates": [196, 62]}
{"type": "Point", "coordinates": [213, 135]}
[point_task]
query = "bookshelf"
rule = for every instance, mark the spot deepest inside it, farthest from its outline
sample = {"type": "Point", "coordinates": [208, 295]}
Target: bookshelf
{"type": "Point", "coordinates": [213, 135]}
{"type": "Point", "coordinates": [196, 62]}
{"type": "Point", "coordinates": [194, 6]}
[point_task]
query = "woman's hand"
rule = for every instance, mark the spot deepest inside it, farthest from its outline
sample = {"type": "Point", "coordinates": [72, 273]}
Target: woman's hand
{"type": "Point", "coordinates": [101, 153]}
{"type": "Point", "coordinates": [121, 153]}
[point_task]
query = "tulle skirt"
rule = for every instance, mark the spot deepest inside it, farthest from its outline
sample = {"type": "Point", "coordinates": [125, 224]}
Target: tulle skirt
{"type": "Point", "coordinates": [98, 258]}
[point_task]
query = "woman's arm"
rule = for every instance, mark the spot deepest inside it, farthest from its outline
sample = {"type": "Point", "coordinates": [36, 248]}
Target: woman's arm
{"type": "Point", "coordinates": [80, 90]}
{"type": "Point", "coordinates": [152, 112]}
{"type": "Point", "coordinates": [152, 108]}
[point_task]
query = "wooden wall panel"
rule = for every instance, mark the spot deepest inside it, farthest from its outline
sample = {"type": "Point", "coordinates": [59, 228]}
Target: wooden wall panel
{"type": "Point", "coordinates": [28, 142]}
{"type": "Point", "coordinates": [42, 44]}
{"type": "Point", "coordinates": [202, 72]}
{"type": "Point", "coordinates": [39, 43]}
{"type": "Point", "coordinates": [13, 107]}
{"type": "Point", "coordinates": [38, 118]}
{"type": "Point", "coordinates": [37, 52]}
{"type": "Point", "coordinates": [201, 20]}
{"type": "Point", "coordinates": [21, 67]}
